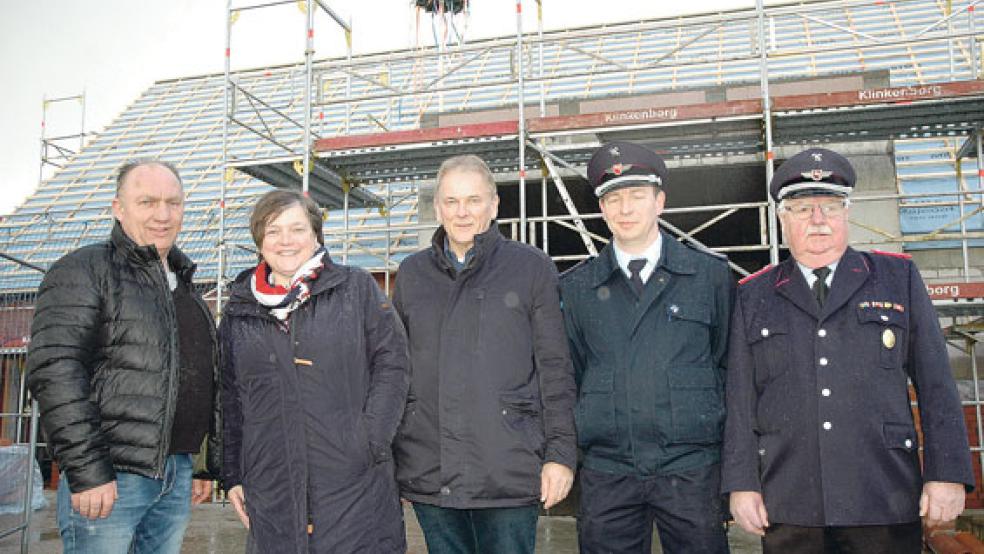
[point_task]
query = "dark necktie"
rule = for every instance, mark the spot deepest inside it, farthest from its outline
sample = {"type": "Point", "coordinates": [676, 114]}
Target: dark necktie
{"type": "Point", "coordinates": [635, 277]}
{"type": "Point", "coordinates": [820, 287]}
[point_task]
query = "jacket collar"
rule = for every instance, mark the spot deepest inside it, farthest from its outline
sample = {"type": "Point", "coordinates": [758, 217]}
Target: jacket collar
{"type": "Point", "coordinates": [180, 264]}
{"type": "Point", "coordinates": [852, 272]}
{"type": "Point", "coordinates": [485, 243]}
{"type": "Point", "coordinates": [672, 258]}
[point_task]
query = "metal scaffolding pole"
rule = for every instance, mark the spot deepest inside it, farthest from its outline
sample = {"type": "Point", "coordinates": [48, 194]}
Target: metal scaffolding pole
{"type": "Point", "coordinates": [974, 372]}
{"type": "Point", "coordinates": [767, 123]}
{"type": "Point", "coordinates": [227, 171]}
{"type": "Point", "coordinates": [308, 59]}
{"type": "Point", "coordinates": [544, 205]}
{"type": "Point", "coordinates": [521, 99]}
{"type": "Point", "coordinates": [388, 253]}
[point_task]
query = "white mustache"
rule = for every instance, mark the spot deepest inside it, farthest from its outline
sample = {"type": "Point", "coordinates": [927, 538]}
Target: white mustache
{"type": "Point", "coordinates": [819, 230]}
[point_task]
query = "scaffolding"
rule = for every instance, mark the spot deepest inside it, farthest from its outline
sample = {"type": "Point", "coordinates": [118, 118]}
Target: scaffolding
{"type": "Point", "coordinates": [754, 131]}
{"type": "Point", "coordinates": [57, 150]}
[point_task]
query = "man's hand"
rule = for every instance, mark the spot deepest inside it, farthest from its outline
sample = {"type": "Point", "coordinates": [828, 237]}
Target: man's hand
{"type": "Point", "coordinates": [96, 502]}
{"type": "Point", "coordinates": [941, 502]}
{"type": "Point", "coordinates": [238, 501]}
{"type": "Point", "coordinates": [749, 511]}
{"type": "Point", "coordinates": [201, 489]}
{"type": "Point", "coordinates": [555, 482]}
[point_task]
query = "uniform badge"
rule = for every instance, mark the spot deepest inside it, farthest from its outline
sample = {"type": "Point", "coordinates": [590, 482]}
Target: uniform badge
{"type": "Point", "coordinates": [614, 151]}
{"type": "Point", "coordinates": [818, 156]}
{"type": "Point", "coordinates": [816, 174]}
{"type": "Point", "coordinates": [888, 339]}
{"type": "Point", "coordinates": [617, 169]}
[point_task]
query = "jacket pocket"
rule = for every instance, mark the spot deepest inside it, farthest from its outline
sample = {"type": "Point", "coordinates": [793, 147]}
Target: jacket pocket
{"type": "Point", "coordinates": [409, 416]}
{"type": "Point", "coordinates": [521, 414]}
{"type": "Point", "coordinates": [362, 444]}
{"type": "Point", "coordinates": [696, 406]}
{"type": "Point", "coordinates": [694, 312]}
{"type": "Point", "coordinates": [890, 329]}
{"type": "Point", "coordinates": [594, 416]}
{"type": "Point", "coordinates": [262, 400]}
{"type": "Point", "coordinates": [900, 436]}
{"type": "Point", "coordinates": [768, 338]}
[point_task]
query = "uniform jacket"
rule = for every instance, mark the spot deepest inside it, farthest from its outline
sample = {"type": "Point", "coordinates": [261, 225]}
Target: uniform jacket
{"type": "Point", "coordinates": [819, 418]}
{"type": "Point", "coordinates": [492, 390]}
{"type": "Point", "coordinates": [310, 415]}
{"type": "Point", "coordinates": [650, 373]}
{"type": "Point", "coordinates": [103, 361]}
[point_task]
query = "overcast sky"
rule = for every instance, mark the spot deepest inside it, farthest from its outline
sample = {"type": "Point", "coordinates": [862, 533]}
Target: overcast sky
{"type": "Point", "coordinates": [115, 49]}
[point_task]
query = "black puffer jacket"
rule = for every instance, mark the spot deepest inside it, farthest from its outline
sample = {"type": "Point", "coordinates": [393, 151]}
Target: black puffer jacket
{"type": "Point", "coordinates": [103, 361]}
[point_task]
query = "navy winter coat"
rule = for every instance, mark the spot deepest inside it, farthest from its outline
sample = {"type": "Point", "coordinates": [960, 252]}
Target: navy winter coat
{"type": "Point", "coordinates": [650, 371]}
{"type": "Point", "coordinates": [492, 391]}
{"type": "Point", "coordinates": [310, 415]}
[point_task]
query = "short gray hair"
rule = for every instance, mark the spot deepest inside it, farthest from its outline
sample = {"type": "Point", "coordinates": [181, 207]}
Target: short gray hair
{"type": "Point", "coordinates": [465, 162]}
{"type": "Point", "coordinates": [124, 171]}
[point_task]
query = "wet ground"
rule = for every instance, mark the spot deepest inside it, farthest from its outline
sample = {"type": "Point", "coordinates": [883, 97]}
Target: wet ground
{"type": "Point", "coordinates": [214, 529]}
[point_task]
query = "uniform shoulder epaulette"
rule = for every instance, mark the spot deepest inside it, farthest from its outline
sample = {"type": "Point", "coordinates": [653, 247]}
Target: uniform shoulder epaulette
{"type": "Point", "coordinates": [902, 255]}
{"type": "Point", "coordinates": [762, 271]}
{"type": "Point", "coordinates": [575, 267]}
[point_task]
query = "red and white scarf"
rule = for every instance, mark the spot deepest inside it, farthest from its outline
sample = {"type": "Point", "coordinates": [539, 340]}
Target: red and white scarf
{"type": "Point", "coordinates": [283, 300]}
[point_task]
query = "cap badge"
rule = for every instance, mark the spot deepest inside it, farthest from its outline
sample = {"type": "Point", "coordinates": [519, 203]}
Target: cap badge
{"type": "Point", "coordinates": [617, 169]}
{"type": "Point", "coordinates": [614, 151]}
{"type": "Point", "coordinates": [816, 174]}
{"type": "Point", "coordinates": [818, 156]}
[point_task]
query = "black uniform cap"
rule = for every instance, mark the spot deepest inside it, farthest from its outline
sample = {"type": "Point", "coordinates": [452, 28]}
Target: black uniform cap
{"type": "Point", "coordinates": [624, 164]}
{"type": "Point", "coordinates": [813, 172]}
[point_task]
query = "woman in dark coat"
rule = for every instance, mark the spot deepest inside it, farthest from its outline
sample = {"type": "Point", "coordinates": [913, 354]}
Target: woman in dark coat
{"type": "Point", "coordinates": [314, 380]}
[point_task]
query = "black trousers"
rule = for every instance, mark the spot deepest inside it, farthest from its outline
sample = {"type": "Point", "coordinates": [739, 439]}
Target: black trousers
{"type": "Point", "coordinates": [904, 538]}
{"type": "Point", "coordinates": [618, 511]}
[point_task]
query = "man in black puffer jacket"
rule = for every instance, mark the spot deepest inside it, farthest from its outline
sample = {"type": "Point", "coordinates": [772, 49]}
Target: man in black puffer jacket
{"type": "Point", "coordinates": [123, 362]}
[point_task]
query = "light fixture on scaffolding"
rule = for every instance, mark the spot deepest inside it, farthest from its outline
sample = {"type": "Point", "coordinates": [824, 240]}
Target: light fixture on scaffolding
{"type": "Point", "coordinates": [443, 26]}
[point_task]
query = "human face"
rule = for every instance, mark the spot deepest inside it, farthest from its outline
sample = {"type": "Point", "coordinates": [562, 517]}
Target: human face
{"type": "Point", "coordinates": [465, 207]}
{"type": "Point", "coordinates": [150, 207]}
{"type": "Point", "coordinates": [288, 242]}
{"type": "Point", "coordinates": [632, 215]}
{"type": "Point", "coordinates": [820, 239]}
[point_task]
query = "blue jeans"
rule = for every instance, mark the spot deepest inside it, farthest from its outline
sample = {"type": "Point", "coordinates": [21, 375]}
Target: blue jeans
{"type": "Point", "coordinates": [479, 531]}
{"type": "Point", "coordinates": [149, 515]}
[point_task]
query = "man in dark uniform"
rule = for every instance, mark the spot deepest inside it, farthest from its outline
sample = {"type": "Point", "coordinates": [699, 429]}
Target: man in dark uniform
{"type": "Point", "coordinates": [648, 323]}
{"type": "Point", "coordinates": [820, 451]}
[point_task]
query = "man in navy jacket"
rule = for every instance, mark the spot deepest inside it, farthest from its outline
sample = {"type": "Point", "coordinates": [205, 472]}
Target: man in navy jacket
{"type": "Point", "coordinates": [821, 453]}
{"type": "Point", "coordinates": [647, 322]}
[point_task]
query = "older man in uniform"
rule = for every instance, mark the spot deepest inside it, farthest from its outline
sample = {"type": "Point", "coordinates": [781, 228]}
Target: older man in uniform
{"type": "Point", "coordinates": [821, 452]}
{"type": "Point", "coordinates": [647, 321]}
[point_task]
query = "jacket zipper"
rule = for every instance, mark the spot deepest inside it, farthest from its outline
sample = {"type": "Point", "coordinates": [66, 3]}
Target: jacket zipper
{"type": "Point", "coordinates": [172, 393]}
{"type": "Point", "coordinates": [292, 324]}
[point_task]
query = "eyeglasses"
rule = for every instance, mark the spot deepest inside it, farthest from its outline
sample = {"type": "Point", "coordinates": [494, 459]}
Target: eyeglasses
{"type": "Point", "coordinates": [803, 211]}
